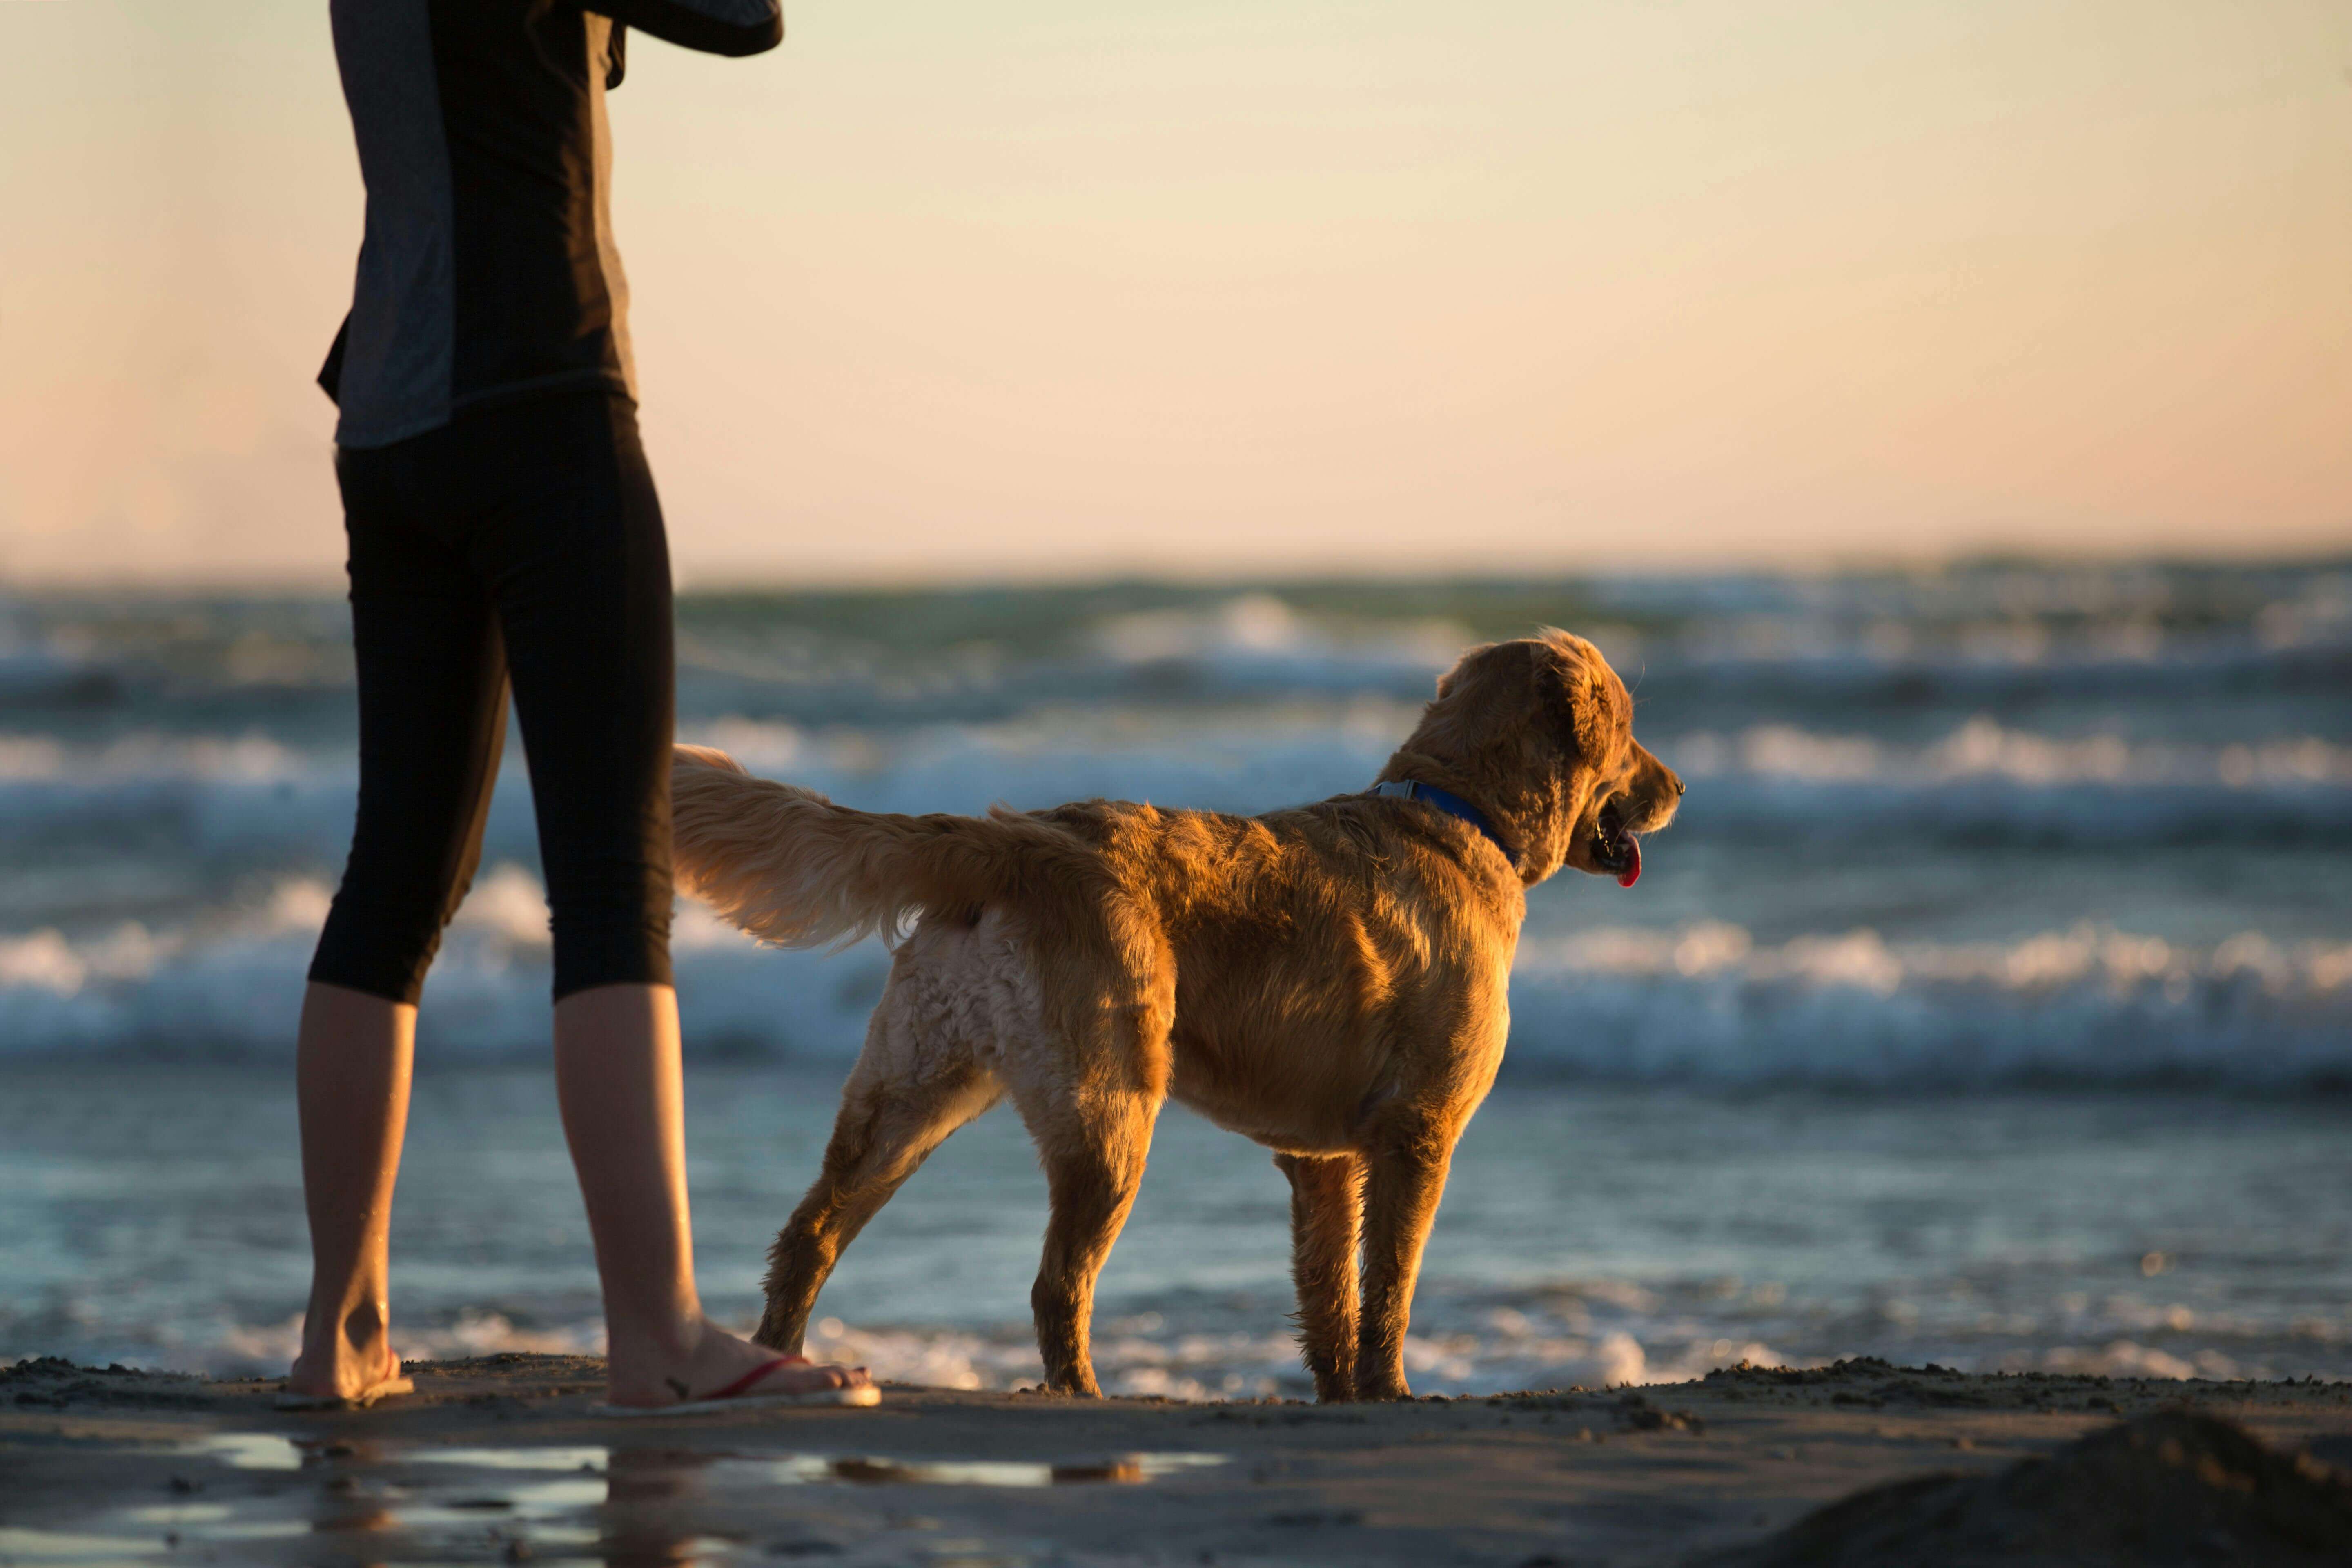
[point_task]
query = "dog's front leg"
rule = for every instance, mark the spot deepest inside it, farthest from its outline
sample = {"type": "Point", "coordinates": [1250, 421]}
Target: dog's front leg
{"type": "Point", "coordinates": [1327, 1197]}
{"type": "Point", "coordinates": [1407, 1177]}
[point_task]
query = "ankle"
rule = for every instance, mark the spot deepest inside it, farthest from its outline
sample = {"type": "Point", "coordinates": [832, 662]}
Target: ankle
{"type": "Point", "coordinates": [367, 1325]}
{"type": "Point", "coordinates": [660, 1347]}
{"type": "Point", "coordinates": [348, 1335]}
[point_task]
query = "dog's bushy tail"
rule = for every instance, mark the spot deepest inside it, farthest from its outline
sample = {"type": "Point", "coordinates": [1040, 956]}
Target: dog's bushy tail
{"type": "Point", "coordinates": [791, 867]}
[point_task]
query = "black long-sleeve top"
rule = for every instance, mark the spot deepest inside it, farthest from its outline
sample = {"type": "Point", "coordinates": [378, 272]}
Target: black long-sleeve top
{"type": "Point", "coordinates": [488, 270]}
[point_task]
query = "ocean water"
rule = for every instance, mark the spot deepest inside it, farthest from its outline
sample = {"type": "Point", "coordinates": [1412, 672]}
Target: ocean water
{"type": "Point", "coordinates": [1990, 1002]}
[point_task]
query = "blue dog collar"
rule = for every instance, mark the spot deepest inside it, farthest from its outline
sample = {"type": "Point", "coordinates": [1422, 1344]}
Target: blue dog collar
{"type": "Point", "coordinates": [1446, 801]}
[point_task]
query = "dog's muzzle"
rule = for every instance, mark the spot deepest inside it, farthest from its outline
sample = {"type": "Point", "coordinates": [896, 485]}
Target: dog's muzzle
{"type": "Point", "coordinates": [1616, 848]}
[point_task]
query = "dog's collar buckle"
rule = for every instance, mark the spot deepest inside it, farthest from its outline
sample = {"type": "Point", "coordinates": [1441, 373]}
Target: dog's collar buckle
{"type": "Point", "coordinates": [1453, 804]}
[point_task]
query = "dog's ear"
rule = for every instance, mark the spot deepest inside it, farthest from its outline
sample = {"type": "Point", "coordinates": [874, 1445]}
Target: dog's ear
{"type": "Point", "coordinates": [1577, 688]}
{"type": "Point", "coordinates": [1462, 667]}
{"type": "Point", "coordinates": [1481, 702]}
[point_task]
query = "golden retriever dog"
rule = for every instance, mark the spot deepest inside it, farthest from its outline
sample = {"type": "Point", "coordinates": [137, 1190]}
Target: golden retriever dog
{"type": "Point", "coordinates": [1330, 980]}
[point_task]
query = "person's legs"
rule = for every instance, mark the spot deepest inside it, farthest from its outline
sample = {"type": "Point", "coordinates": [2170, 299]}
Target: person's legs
{"type": "Point", "coordinates": [351, 1067]}
{"type": "Point", "coordinates": [616, 1076]}
{"type": "Point", "coordinates": [578, 565]}
{"type": "Point", "coordinates": [617, 1079]}
{"type": "Point", "coordinates": [432, 693]}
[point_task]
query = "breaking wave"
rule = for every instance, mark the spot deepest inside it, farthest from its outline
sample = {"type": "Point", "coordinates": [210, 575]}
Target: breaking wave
{"type": "Point", "coordinates": [1704, 1004]}
{"type": "Point", "coordinates": [1708, 1004]}
{"type": "Point", "coordinates": [237, 804]}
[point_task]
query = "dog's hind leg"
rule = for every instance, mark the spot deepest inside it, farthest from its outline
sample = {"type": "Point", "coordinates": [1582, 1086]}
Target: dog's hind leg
{"type": "Point", "coordinates": [888, 1125]}
{"type": "Point", "coordinates": [1327, 1197]}
{"type": "Point", "coordinates": [1093, 1139]}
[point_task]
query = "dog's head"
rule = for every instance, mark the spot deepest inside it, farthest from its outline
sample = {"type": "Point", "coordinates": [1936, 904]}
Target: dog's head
{"type": "Point", "coordinates": [1539, 733]}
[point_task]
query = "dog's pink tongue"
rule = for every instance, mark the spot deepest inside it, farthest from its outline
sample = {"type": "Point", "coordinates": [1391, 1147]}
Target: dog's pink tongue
{"type": "Point", "coordinates": [1632, 871]}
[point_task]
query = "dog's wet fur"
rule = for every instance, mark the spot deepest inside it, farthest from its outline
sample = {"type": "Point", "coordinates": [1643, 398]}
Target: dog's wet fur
{"type": "Point", "coordinates": [1330, 980]}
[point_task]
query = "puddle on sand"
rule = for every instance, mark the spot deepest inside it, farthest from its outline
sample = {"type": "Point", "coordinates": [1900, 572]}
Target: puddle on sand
{"type": "Point", "coordinates": [593, 1458]}
{"type": "Point", "coordinates": [802, 1469]}
{"type": "Point", "coordinates": [248, 1451]}
{"type": "Point", "coordinates": [208, 1522]}
{"type": "Point", "coordinates": [45, 1547]}
{"type": "Point", "coordinates": [1127, 1470]}
{"type": "Point", "coordinates": [584, 1502]}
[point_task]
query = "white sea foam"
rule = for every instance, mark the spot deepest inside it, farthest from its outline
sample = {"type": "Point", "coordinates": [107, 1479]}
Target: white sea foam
{"type": "Point", "coordinates": [1705, 1003]}
{"type": "Point", "coordinates": [259, 802]}
{"type": "Point", "coordinates": [152, 754]}
{"type": "Point", "coordinates": [1594, 1333]}
{"type": "Point", "coordinates": [1983, 749]}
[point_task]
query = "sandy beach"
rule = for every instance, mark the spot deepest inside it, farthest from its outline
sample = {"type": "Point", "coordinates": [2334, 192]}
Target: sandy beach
{"type": "Point", "coordinates": [499, 1459]}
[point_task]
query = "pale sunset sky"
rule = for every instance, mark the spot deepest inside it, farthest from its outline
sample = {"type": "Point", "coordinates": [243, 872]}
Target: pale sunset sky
{"type": "Point", "coordinates": [942, 290]}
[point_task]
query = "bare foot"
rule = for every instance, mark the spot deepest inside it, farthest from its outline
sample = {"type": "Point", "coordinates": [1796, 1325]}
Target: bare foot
{"type": "Point", "coordinates": [718, 1360]}
{"type": "Point", "coordinates": [343, 1370]}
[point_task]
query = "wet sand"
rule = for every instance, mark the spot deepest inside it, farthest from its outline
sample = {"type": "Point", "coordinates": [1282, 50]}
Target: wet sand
{"type": "Point", "coordinates": [498, 1460]}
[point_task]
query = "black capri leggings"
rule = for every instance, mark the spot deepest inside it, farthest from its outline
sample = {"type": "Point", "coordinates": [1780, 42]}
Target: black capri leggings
{"type": "Point", "coordinates": [523, 543]}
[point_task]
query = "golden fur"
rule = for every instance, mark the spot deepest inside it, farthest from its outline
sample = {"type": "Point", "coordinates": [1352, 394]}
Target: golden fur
{"type": "Point", "coordinates": [1329, 980]}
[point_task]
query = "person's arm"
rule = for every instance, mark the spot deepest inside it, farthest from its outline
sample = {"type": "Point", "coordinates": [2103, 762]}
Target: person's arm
{"type": "Point", "coordinates": [713, 26]}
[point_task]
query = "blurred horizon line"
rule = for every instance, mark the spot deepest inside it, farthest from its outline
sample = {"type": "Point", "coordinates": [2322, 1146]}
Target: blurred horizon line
{"type": "Point", "coordinates": [719, 580]}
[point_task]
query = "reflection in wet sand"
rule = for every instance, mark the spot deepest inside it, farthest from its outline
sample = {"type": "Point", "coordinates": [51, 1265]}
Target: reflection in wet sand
{"type": "Point", "coordinates": [1118, 1469]}
{"type": "Point", "coordinates": [249, 1450]}
{"type": "Point", "coordinates": [616, 1507]}
{"type": "Point", "coordinates": [586, 1457]}
{"type": "Point", "coordinates": [641, 1520]}
{"type": "Point", "coordinates": [62, 1546]}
